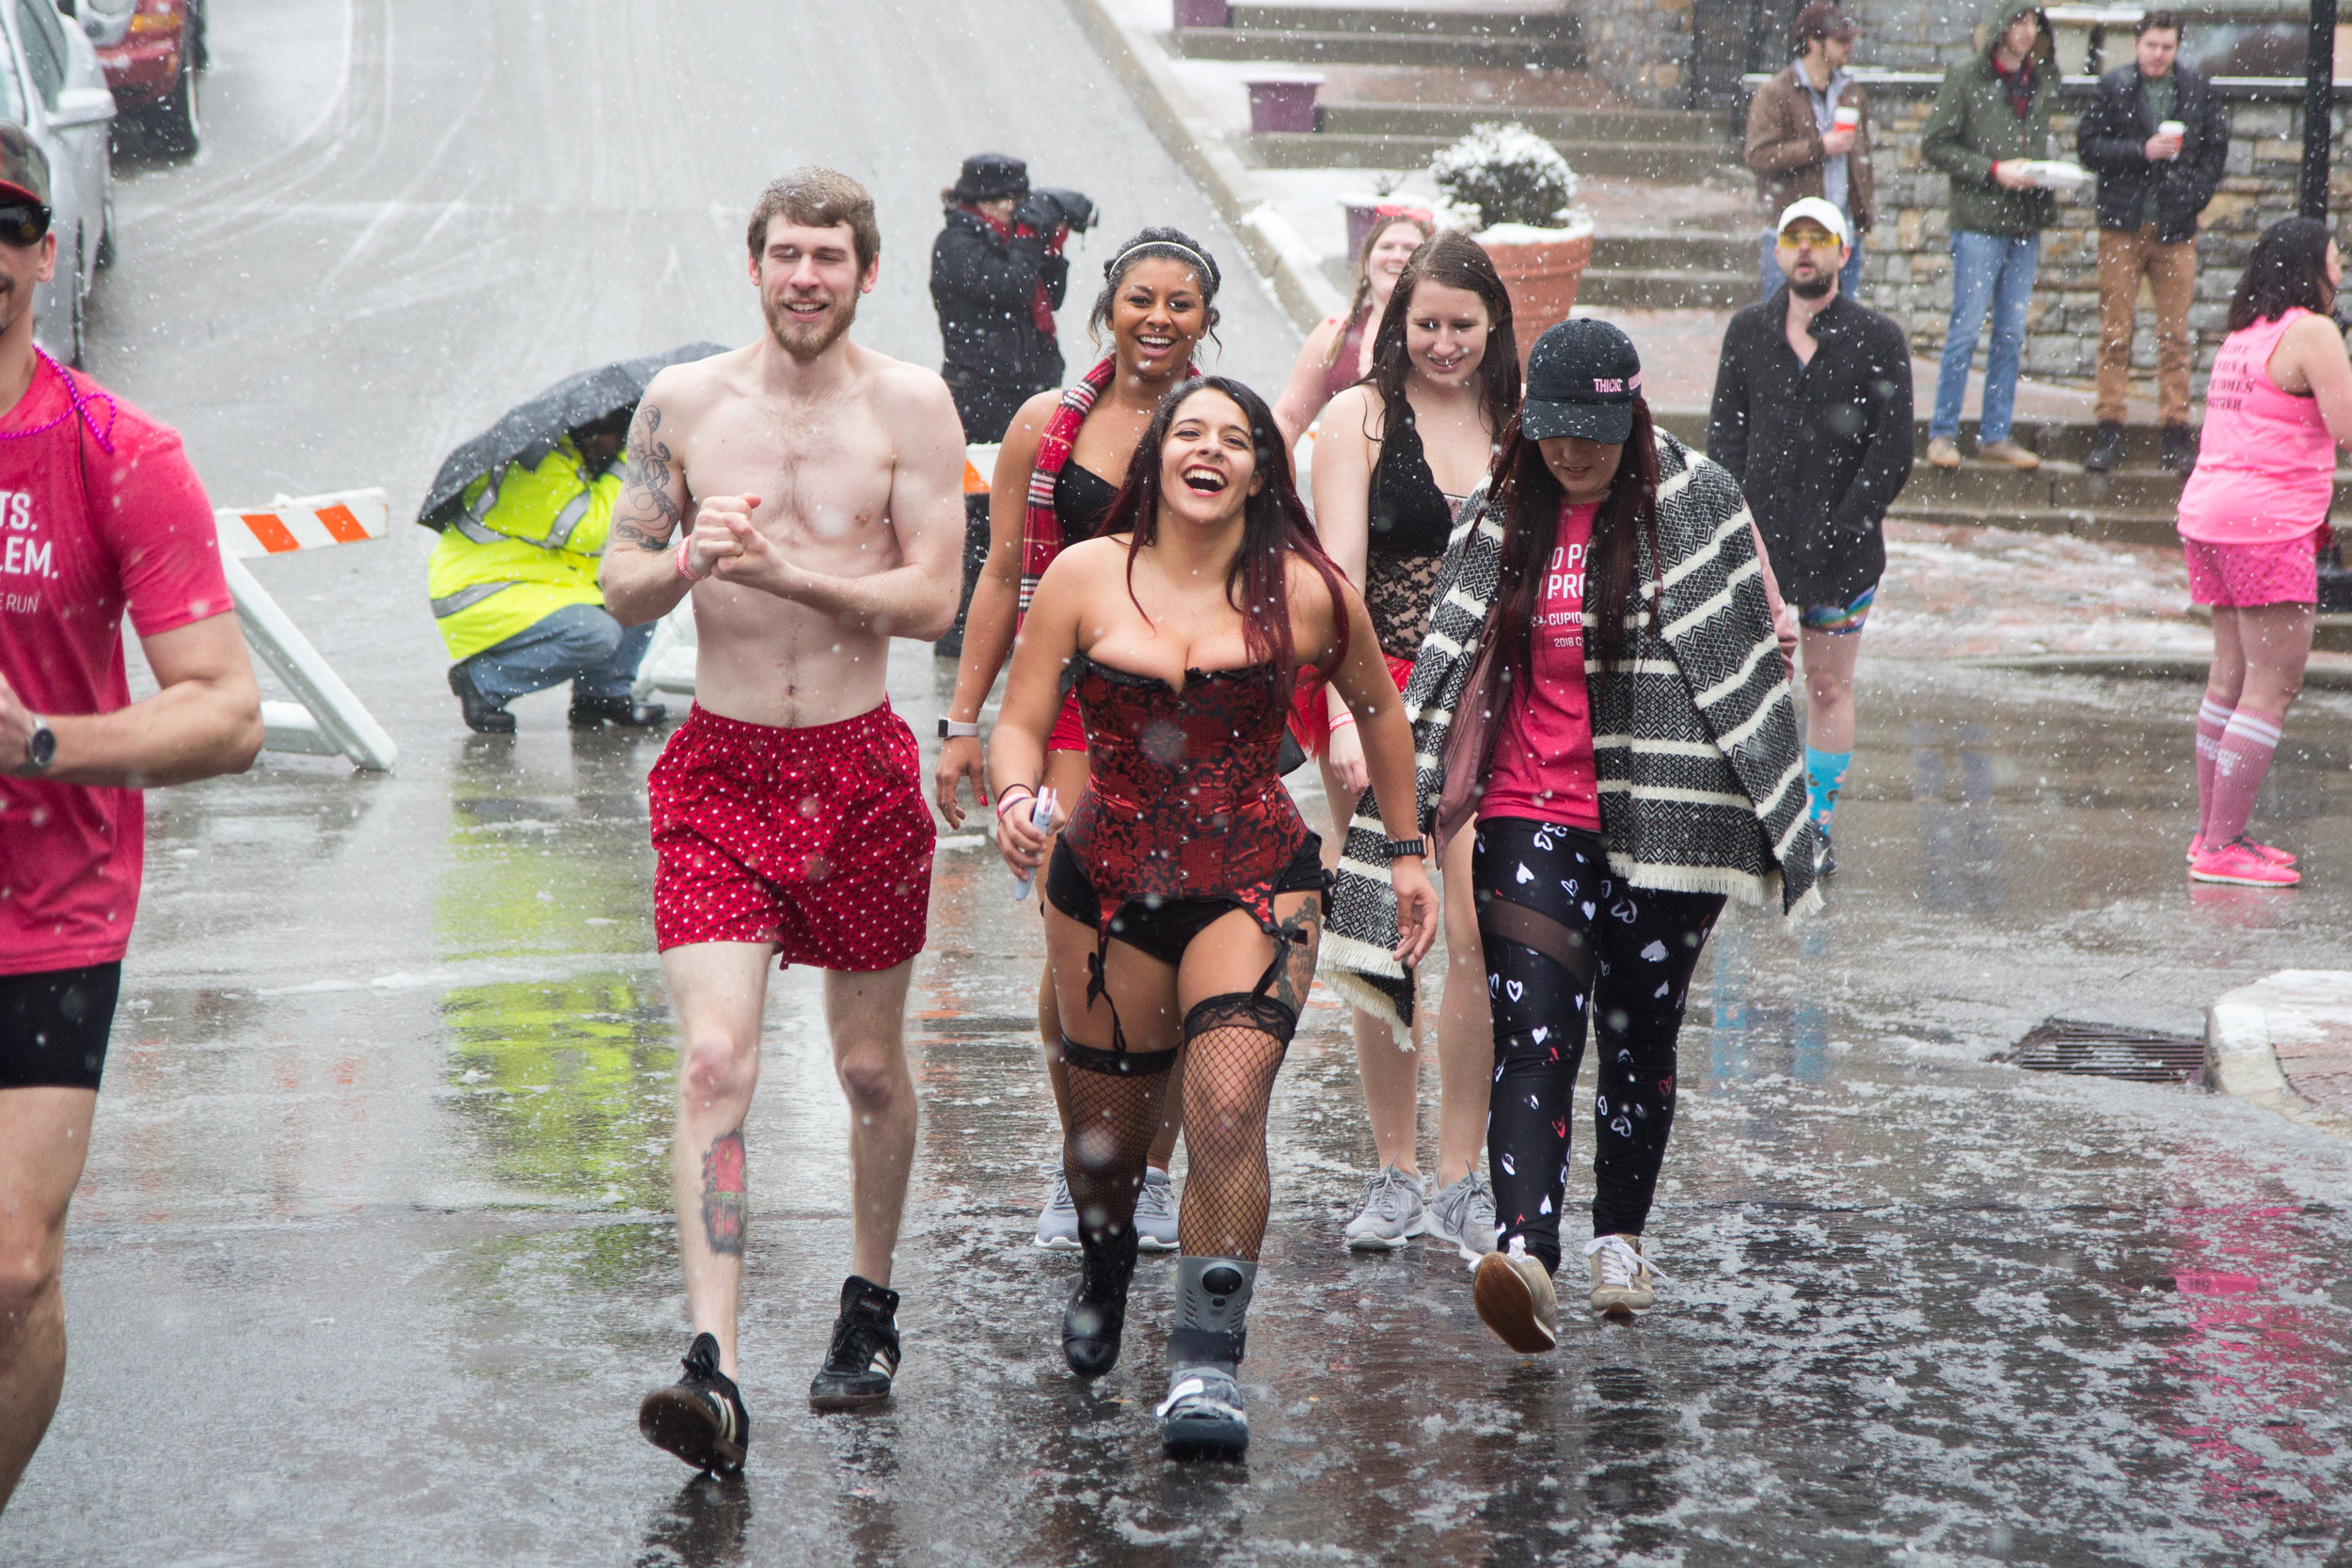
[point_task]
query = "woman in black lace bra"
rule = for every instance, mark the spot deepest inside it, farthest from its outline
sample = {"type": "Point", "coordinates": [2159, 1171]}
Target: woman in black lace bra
{"type": "Point", "coordinates": [1060, 468]}
{"type": "Point", "coordinates": [1397, 456]}
{"type": "Point", "coordinates": [1184, 897]}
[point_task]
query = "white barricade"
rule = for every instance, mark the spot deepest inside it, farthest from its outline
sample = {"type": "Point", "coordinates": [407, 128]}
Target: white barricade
{"type": "Point", "coordinates": [325, 719]}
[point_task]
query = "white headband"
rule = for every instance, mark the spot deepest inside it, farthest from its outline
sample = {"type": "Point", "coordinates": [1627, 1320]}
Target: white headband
{"type": "Point", "coordinates": [1208, 268]}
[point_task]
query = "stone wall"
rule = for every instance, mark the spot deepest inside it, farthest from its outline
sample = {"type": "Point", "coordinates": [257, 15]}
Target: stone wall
{"type": "Point", "coordinates": [1907, 267]}
{"type": "Point", "coordinates": [1641, 47]}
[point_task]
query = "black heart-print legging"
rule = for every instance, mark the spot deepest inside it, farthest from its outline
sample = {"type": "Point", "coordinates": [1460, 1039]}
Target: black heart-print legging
{"type": "Point", "coordinates": [1564, 937]}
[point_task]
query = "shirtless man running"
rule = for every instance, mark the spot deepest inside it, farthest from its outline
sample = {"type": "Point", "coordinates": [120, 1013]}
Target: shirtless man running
{"type": "Point", "coordinates": [820, 486]}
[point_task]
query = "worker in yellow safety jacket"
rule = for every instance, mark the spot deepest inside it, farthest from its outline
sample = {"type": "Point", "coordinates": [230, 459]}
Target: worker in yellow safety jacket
{"type": "Point", "coordinates": [514, 589]}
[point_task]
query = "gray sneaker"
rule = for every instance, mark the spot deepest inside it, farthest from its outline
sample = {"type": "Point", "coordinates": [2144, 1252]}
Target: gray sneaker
{"type": "Point", "coordinates": [1156, 1212]}
{"type": "Point", "coordinates": [1393, 1213]}
{"type": "Point", "coordinates": [1463, 1213]}
{"type": "Point", "coordinates": [1058, 1226]}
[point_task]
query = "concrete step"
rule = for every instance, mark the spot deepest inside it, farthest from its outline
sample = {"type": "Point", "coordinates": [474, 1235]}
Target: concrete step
{"type": "Point", "coordinates": [1665, 288]}
{"type": "Point", "coordinates": [2114, 528]}
{"type": "Point", "coordinates": [1691, 250]}
{"type": "Point", "coordinates": [1341, 48]}
{"type": "Point", "coordinates": [1348, 118]}
{"type": "Point", "coordinates": [1680, 162]}
{"type": "Point", "coordinates": [1528, 22]}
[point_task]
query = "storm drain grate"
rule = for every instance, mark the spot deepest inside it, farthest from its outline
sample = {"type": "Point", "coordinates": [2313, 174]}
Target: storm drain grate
{"type": "Point", "coordinates": [2106, 1051]}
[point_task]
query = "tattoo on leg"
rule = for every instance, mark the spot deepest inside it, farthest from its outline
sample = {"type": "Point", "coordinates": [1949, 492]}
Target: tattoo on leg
{"type": "Point", "coordinates": [647, 513]}
{"type": "Point", "coordinates": [1299, 933]}
{"type": "Point", "coordinates": [724, 1195]}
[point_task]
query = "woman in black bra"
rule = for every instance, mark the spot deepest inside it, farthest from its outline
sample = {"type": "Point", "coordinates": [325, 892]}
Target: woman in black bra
{"type": "Point", "coordinates": [1186, 895]}
{"type": "Point", "coordinates": [1397, 456]}
{"type": "Point", "coordinates": [1060, 468]}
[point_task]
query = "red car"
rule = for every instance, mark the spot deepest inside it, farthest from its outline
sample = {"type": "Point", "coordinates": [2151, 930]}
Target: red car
{"type": "Point", "coordinates": [151, 58]}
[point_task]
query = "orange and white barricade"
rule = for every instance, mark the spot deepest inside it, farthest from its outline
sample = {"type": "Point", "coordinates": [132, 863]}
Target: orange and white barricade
{"type": "Point", "coordinates": [325, 720]}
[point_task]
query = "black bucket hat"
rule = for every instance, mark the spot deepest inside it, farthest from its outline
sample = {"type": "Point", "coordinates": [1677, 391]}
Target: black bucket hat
{"type": "Point", "coordinates": [1582, 376]}
{"type": "Point", "coordinates": [992, 176]}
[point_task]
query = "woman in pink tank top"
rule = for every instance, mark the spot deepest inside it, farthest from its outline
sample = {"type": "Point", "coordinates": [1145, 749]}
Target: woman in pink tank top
{"type": "Point", "coordinates": [1336, 353]}
{"type": "Point", "coordinates": [2252, 521]}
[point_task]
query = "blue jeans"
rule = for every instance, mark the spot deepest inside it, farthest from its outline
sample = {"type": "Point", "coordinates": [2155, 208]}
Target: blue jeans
{"type": "Point", "coordinates": [1848, 276]}
{"type": "Point", "coordinates": [1995, 272]}
{"type": "Point", "coordinates": [580, 643]}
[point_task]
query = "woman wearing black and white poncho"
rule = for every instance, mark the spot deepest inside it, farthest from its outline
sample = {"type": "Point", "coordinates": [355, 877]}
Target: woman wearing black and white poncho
{"type": "Point", "coordinates": [1627, 758]}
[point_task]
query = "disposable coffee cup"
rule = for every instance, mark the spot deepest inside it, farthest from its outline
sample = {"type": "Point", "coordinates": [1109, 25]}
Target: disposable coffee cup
{"type": "Point", "coordinates": [1846, 119]}
{"type": "Point", "coordinates": [2174, 129]}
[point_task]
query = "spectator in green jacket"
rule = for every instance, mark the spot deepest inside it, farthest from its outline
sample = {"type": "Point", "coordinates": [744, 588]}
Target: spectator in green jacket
{"type": "Point", "coordinates": [1991, 118]}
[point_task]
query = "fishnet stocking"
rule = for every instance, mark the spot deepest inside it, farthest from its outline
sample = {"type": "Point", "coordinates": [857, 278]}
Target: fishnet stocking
{"type": "Point", "coordinates": [1234, 1047]}
{"type": "Point", "coordinates": [1113, 1118]}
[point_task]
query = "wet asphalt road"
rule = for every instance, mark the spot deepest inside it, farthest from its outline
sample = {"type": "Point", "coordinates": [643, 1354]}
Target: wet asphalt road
{"type": "Point", "coordinates": [373, 1260]}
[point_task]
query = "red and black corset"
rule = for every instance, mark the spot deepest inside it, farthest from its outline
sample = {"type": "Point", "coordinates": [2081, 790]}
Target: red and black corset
{"type": "Point", "coordinates": [1184, 798]}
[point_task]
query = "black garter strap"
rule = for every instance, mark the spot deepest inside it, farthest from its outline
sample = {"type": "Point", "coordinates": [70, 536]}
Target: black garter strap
{"type": "Point", "coordinates": [1118, 1062]}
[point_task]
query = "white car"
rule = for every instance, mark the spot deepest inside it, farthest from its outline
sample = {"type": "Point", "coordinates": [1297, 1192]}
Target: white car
{"type": "Point", "coordinates": [51, 83]}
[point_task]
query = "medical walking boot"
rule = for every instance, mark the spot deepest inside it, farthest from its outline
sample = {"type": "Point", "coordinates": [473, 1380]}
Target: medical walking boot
{"type": "Point", "coordinates": [1623, 1281]}
{"type": "Point", "coordinates": [700, 1418]}
{"type": "Point", "coordinates": [1097, 1313]}
{"type": "Point", "coordinates": [594, 713]}
{"type": "Point", "coordinates": [865, 1355]}
{"type": "Point", "coordinates": [1202, 1416]}
{"type": "Point", "coordinates": [1513, 1295]}
{"type": "Point", "coordinates": [483, 716]}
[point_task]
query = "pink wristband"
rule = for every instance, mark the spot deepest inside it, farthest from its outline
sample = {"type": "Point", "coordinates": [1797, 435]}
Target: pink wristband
{"type": "Point", "coordinates": [685, 549]}
{"type": "Point", "coordinates": [1027, 794]}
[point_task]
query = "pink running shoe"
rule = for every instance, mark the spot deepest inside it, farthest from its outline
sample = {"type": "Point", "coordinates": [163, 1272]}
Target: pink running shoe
{"type": "Point", "coordinates": [2241, 863]}
{"type": "Point", "coordinates": [2272, 854]}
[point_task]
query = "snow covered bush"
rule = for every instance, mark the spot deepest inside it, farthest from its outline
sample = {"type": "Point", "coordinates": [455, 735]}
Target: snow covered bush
{"type": "Point", "coordinates": [1509, 173]}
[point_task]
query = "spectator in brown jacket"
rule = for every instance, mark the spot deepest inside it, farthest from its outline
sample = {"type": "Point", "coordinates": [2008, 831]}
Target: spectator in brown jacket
{"type": "Point", "coordinates": [1809, 136]}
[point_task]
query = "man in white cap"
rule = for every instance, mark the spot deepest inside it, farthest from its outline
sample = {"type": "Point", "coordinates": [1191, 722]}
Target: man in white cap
{"type": "Point", "coordinates": [1812, 415]}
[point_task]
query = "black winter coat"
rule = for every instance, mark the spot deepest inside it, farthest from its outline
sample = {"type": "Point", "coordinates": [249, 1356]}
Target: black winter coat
{"type": "Point", "coordinates": [2112, 140]}
{"type": "Point", "coordinates": [1820, 450]}
{"type": "Point", "coordinates": [982, 286]}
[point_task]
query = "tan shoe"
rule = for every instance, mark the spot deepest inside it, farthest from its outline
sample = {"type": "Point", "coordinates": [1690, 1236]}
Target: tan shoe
{"type": "Point", "coordinates": [1623, 1280]}
{"type": "Point", "coordinates": [1944, 453]}
{"type": "Point", "coordinates": [1515, 1299]}
{"type": "Point", "coordinates": [2011, 454]}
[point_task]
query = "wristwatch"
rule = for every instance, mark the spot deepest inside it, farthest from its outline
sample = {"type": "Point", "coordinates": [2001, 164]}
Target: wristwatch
{"type": "Point", "coordinates": [950, 730]}
{"type": "Point", "coordinates": [1400, 848]}
{"type": "Point", "coordinates": [40, 747]}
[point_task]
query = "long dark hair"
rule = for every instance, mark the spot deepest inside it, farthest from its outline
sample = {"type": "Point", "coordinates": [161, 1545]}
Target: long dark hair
{"type": "Point", "coordinates": [2288, 268]}
{"type": "Point", "coordinates": [1158, 244]}
{"type": "Point", "coordinates": [1275, 524]}
{"type": "Point", "coordinates": [1527, 496]}
{"type": "Point", "coordinates": [1457, 261]}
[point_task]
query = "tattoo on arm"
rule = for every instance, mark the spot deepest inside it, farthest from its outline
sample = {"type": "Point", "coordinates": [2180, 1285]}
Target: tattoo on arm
{"type": "Point", "coordinates": [724, 1195]}
{"type": "Point", "coordinates": [1298, 932]}
{"type": "Point", "coordinates": [648, 514]}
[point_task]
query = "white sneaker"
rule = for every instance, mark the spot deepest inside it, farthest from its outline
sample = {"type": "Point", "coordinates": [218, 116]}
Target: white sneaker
{"type": "Point", "coordinates": [1463, 1214]}
{"type": "Point", "coordinates": [1622, 1278]}
{"type": "Point", "coordinates": [1394, 1212]}
{"type": "Point", "coordinates": [1058, 1226]}
{"type": "Point", "coordinates": [1156, 1212]}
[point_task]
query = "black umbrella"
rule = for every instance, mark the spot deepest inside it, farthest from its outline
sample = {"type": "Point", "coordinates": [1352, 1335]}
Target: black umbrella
{"type": "Point", "coordinates": [528, 432]}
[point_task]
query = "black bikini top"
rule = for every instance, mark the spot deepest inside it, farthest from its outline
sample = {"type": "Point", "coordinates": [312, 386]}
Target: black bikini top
{"type": "Point", "coordinates": [1081, 498]}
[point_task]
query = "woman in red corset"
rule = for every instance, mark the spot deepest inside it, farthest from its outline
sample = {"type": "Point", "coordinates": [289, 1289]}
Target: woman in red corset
{"type": "Point", "coordinates": [1185, 898]}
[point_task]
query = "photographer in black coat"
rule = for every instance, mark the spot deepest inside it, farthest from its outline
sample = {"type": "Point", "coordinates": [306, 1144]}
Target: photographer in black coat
{"type": "Point", "coordinates": [998, 276]}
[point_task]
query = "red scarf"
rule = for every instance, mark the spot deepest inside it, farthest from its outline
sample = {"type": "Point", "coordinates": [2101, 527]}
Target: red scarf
{"type": "Point", "coordinates": [1040, 525]}
{"type": "Point", "coordinates": [1040, 307]}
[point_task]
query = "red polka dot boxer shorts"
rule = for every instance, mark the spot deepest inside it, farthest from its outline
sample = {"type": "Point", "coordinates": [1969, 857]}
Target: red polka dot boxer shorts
{"type": "Point", "coordinates": [2247, 575]}
{"type": "Point", "coordinates": [816, 839]}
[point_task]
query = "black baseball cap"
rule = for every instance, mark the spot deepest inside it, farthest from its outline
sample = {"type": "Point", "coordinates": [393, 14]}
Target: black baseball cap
{"type": "Point", "coordinates": [992, 176]}
{"type": "Point", "coordinates": [1582, 376]}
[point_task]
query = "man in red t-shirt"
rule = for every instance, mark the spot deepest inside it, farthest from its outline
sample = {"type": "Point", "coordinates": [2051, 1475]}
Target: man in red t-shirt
{"type": "Point", "coordinates": [99, 513]}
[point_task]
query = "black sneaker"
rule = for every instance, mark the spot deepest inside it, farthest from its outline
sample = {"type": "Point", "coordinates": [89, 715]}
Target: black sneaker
{"type": "Point", "coordinates": [865, 1355]}
{"type": "Point", "coordinates": [1824, 864]}
{"type": "Point", "coordinates": [2179, 453]}
{"type": "Point", "coordinates": [483, 716]}
{"type": "Point", "coordinates": [700, 1418]}
{"type": "Point", "coordinates": [1097, 1313]}
{"type": "Point", "coordinates": [594, 713]}
{"type": "Point", "coordinates": [2106, 447]}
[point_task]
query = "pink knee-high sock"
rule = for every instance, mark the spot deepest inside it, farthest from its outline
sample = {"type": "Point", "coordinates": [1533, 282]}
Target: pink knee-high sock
{"type": "Point", "coordinates": [2212, 718]}
{"type": "Point", "coordinates": [2239, 763]}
